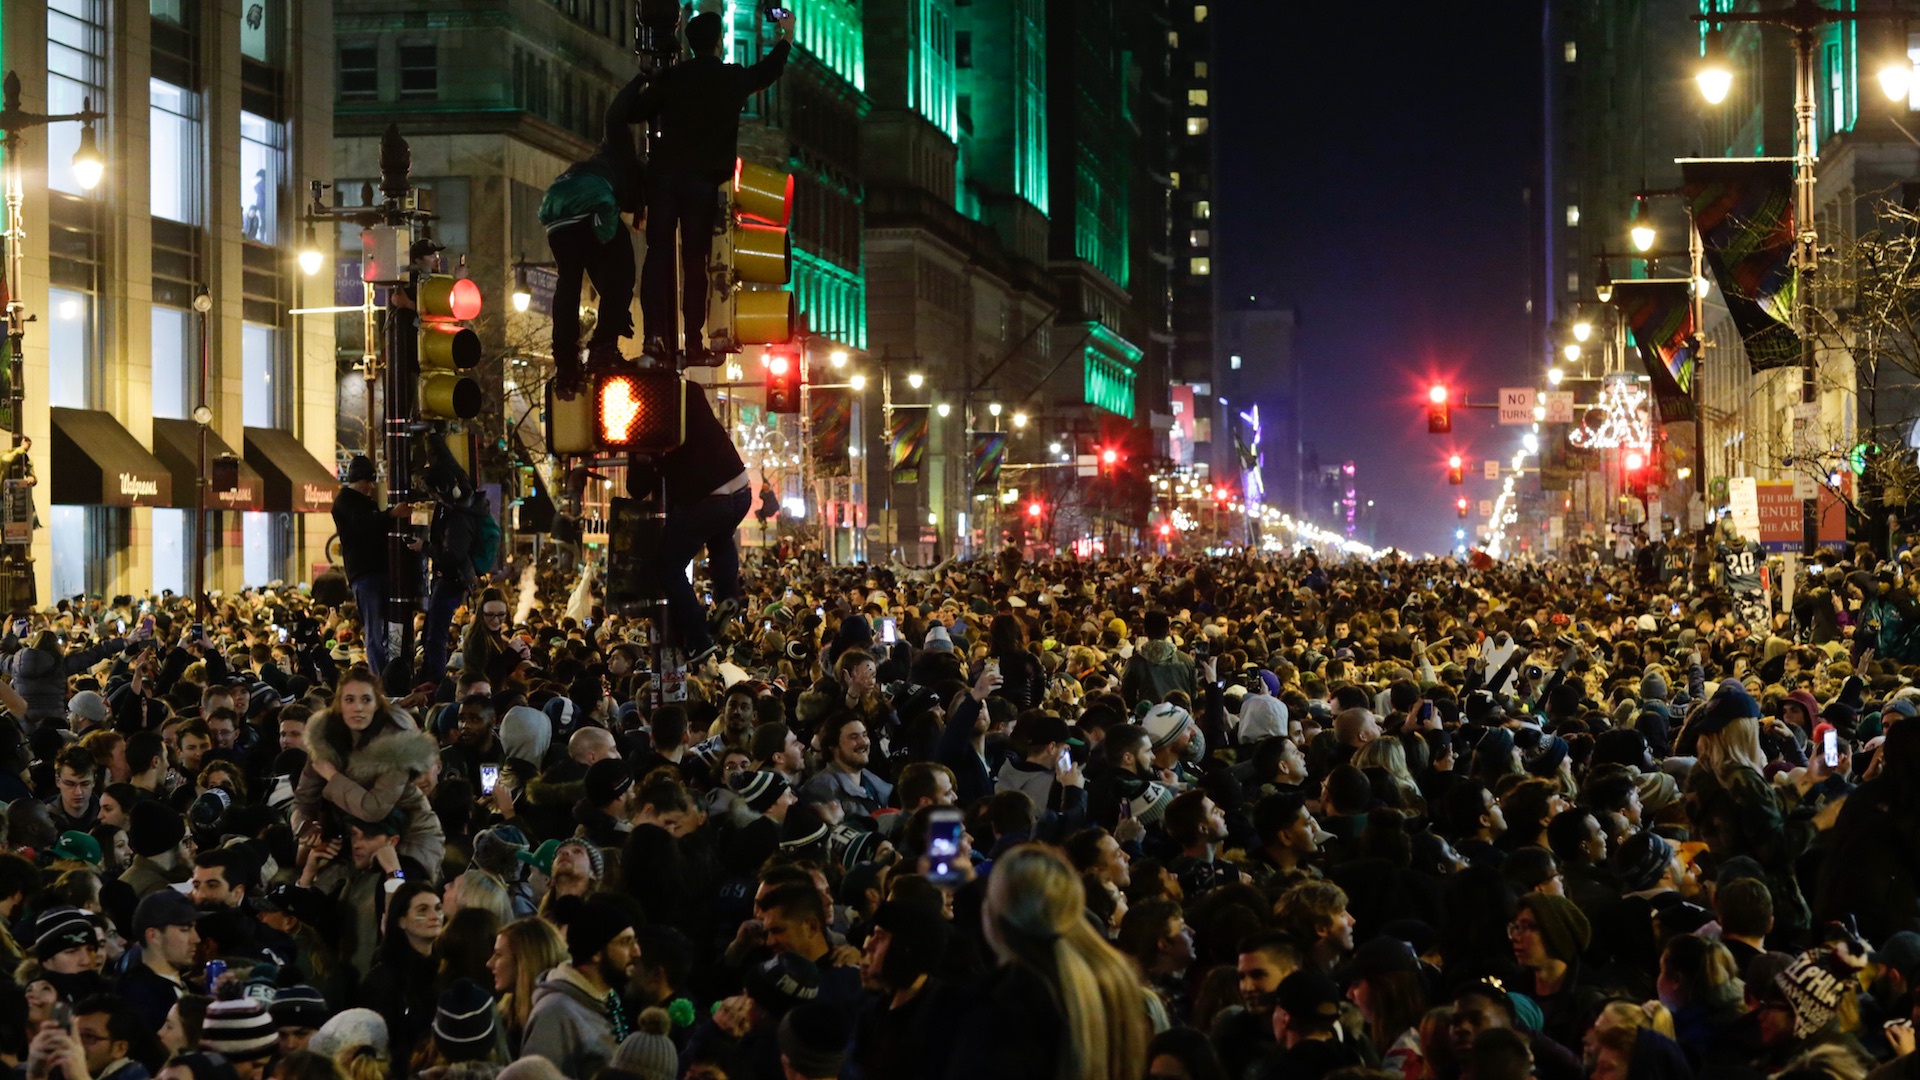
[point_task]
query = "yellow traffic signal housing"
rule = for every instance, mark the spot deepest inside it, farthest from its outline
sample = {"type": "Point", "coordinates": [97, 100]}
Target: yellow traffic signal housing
{"type": "Point", "coordinates": [752, 259]}
{"type": "Point", "coordinates": [447, 350]}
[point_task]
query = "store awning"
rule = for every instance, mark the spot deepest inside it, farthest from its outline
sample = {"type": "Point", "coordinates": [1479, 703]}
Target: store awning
{"type": "Point", "coordinates": [177, 444]}
{"type": "Point", "coordinates": [294, 479]}
{"type": "Point", "coordinates": [96, 462]}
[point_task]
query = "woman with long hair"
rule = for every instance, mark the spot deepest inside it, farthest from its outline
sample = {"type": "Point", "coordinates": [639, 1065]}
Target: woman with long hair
{"type": "Point", "coordinates": [523, 952]}
{"type": "Point", "coordinates": [461, 950]}
{"type": "Point", "coordinates": [1023, 680]}
{"type": "Point", "coordinates": [1700, 984]}
{"type": "Point", "coordinates": [1390, 757]}
{"type": "Point", "coordinates": [363, 757]}
{"type": "Point", "coordinates": [1183, 1051]}
{"type": "Point", "coordinates": [180, 1032]}
{"type": "Point", "coordinates": [1063, 1004]}
{"type": "Point", "coordinates": [1733, 808]}
{"type": "Point", "coordinates": [402, 985]}
{"type": "Point", "coordinates": [1388, 990]}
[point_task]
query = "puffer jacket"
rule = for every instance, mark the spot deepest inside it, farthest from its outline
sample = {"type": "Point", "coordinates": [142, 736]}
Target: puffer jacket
{"type": "Point", "coordinates": [1156, 670]}
{"type": "Point", "coordinates": [41, 677]}
{"type": "Point", "coordinates": [376, 778]}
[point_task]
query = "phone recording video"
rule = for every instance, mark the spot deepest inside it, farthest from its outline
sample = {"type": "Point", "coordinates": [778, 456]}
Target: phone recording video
{"type": "Point", "coordinates": [778, 14]}
{"type": "Point", "coordinates": [489, 776]}
{"type": "Point", "coordinates": [944, 828]}
{"type": "Point", "coordinates": [1830, 748]}
{"type": "Point", "coordinates": [889, 633]}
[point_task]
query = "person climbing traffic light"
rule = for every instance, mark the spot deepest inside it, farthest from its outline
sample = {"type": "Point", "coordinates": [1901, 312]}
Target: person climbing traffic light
{"type": "Point", "coordinates": [695, 109]}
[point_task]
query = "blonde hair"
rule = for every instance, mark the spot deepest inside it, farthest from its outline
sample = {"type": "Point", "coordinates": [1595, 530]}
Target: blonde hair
{"type": "Point", "coordinates": [480, 889]}
{"type": "Point", "coordinates": [537, 948]}
{"type": "Point", "coordinates": [1036, 918]}
{"type": "Point", "coordinates": [363, 1062]}
{"type": "Point", "coordinates": [1631, 1017]}
{"type": "Point", "coordinates": [1387, 753]}
{"type": "Point", "coordinates": [1736, 745]}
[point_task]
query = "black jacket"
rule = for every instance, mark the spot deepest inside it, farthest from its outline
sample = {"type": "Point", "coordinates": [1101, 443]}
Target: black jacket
{"type": "Point", "coordinates": [697, 105]}
{"type": "Point", "coordinates": [363, 533]}
{"type": "Point", "coordinates": [693, 470]}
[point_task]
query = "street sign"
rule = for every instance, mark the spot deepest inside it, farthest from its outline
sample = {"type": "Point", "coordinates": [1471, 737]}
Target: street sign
{"type": "Point", "coordinates": [1493, 470]}
{"type": "Point", "coordinates": [1486, 508]}
{"type": "Point", "coordinates": [1559, 405]}
{"type": "Point", "coordinates": [1804, 485]}
{"type": "Point", "coordinates": [1516, 405]}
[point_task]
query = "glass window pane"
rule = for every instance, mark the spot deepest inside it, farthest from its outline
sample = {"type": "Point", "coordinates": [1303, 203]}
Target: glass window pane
{"type": "Point", "coordinates": [174, 161]}
{"type": "Point", "coordinates": [70, 346]}
{"type": "Point", "coordinates": [69, 539]}
{"type": "Point", "coordinates": [76, 47]}
{"type": "Point", "coordinates": [261, 391]}
{"type": "Point", "coordinates": [262, 173]}
{"type": "Point", "coordinates": [170, 551]}
{"type": "Point", "coordinates": [256, 543]}
{"type": "Point", "coordinates": [170, 366]}
{"type": "Point", "coordinates": [259, 28]}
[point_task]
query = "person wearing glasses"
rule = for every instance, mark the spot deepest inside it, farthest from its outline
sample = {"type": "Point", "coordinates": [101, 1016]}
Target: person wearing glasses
{"type": "Point", "coordinates": [488, 648]}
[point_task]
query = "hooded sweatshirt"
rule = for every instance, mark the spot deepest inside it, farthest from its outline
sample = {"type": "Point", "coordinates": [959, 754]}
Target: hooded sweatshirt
{"type": "Point", "coordinates": [569, 1025]}
{"type": "Point", "coordinates": [1261, 717]}
{"type": "Point", "coordinates": [1156, 670]}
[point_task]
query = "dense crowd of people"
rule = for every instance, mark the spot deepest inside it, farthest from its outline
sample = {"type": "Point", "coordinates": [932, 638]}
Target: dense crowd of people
{"type": "Point", "coordinates": [1256, 816]}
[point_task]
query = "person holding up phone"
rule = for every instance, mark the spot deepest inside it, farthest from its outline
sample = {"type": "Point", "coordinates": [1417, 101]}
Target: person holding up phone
{"type": "Point", "coordinates": [1046, 772]}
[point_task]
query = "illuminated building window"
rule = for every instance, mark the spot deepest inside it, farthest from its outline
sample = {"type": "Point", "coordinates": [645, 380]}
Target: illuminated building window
{"type": "Point", "coordinates": [1199, 238]}
{"type": "Point", "coordinates": [1196, 125]}
{"type": "Point", "coordinates": [1173, 180]}
{"type": "Point", "coordinates": [1202, 210]}
{"type": "Point", "coordinates": [1199, 13]}
{"type": "Point", "coordinates": [1573, 216]}
{"type": "Point", "coordinates": [1197, 97]}
{"type": "Point", "coordinates": [1199, 69]}
{"type": "Point", "coordinates": [1572, 52]}
{"type": "Point", "coordinates": [1200, 266]}
{"type": "Point", "coordinates": [1234, 362]}
{"type": "Point", "coordinates": [1173, 39]}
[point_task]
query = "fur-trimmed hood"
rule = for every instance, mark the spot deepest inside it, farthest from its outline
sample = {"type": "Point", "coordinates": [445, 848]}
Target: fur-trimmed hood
{"type": "Point", "coordinates": [405, 748]}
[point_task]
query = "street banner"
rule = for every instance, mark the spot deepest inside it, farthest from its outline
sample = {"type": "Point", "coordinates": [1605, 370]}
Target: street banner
{"type": "Point", "coordinates": [907, 444]}
{"type": "Point", "coordinates": [1744, 211]}
{"type": "Point", "coordinates": [1516, 405]}
{"type": "Point", "coordinates": [830, 412]}
{"type": "Point", "coordinates": [1660, 314]}
{"type": "Point", "coordinates": [985, 453]}
{"type": "Point", "coordinates": [1779, 510]}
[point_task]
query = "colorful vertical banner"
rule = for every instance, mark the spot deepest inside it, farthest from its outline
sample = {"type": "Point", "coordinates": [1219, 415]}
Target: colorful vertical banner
{"type": "Point", "coordinates": [1180, 436]}
{"type": "Point", "coordinates": [1744, 211]}
{"type": "Point", "coordinates": [907, 444]}
{"type": "Point", "coordinates": [1660, 314]}
{"type": "Point", "coordinates": [830, 413]}
{"type": "Point", "coordinates": [986, 452]}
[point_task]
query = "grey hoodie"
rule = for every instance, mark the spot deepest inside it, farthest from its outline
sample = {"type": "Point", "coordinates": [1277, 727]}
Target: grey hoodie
{"type": "Point", "coordinates": [568, 1025]}
{"type": "Point", "coordinates": [1156, 670]}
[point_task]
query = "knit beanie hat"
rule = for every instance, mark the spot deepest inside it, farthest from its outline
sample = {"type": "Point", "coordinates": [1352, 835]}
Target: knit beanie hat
{"type": "Point", "coordinates": [813, 1040]}
{"type": "Point", "coordinates": [89, 706]}
{"type": "Point", "coordinates": [153, 828]}
{"type": "Point", "coordinates": [239, 1030]}
{"type": "Point", "coordinates": [1653, 686]}
{"type": "Point", "coordinates": [350, 1029]}
{"type": "Point", "coordinates": [937, 640]}
{"type": "Point", "coordinates": [783, 982]}
{"type": "Point", "coordinates": [648, 1053]}
{"type": "Point", "coordinates": [1641, 860]}
{"type": "Point", "coordinates": [1164, 723]}
{"type": "Point", "coordinates": [595, 857]}
{"type": "Point", "coordinates": [494, 850]}
{"type": "Point", "coordinates": [61, 928]}
{"type": "Point", "coordinates": [803, 826]}
{"type": "Point", "coordinates": [463, 1018]}
{"type": "Point", "coordinates": [1563, 927]}
{"type": "Point", "coordinates": [918, 939]}
{"type": "Point", "coordinates": [1729, 703]}
{"type": "Point", "coordinates": [298, 1006]}
{"type": "Point", "coordinates": [1815, 983]}
{"type": "Point", "coordinates": [759, 790]}
{"type": "Point", "coordinates": [607, 780]}
{"type": "Point", "coordinates": [591, 924]}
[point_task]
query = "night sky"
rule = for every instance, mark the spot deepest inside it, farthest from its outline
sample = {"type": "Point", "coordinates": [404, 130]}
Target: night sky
{"type": "Point", "coordinates": [1372, 162]}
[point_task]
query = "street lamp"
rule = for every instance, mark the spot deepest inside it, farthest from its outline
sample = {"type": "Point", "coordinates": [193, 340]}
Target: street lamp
{"type": "Point", "coordinates": [87, 162]}
{"type": "Point", "coordinates": [916, 380]}
{"type": "Point", "coordinates": [1641, 229]}
{"type": "Point", "coordinates": [994, 408]}
{"type": "Point", "coordinates": [310, 252]}
{"type": "Point", "coordinates": [1582, 330]}
{"type": "Point", "coordinates": [943, 409]}
{"type": "Point", "coordinates": [858, 382]}
{"type": "Point", "coordinates": [1603, 284]}
{"type": "Point", "coordinates": [838, 358]}
{"type": "Point", "coordinates": [1555, 375]}
{"type": "Point", "coordinates": [1019, 419]}
{"type": "Point", "coordinates": [1715, 77]}
{"type": "Point", "coordinates": [1571, 352]}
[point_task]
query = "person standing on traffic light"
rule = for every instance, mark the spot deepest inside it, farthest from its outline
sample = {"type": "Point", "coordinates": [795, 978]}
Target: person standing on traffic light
{"type": "Point", "coordinates": [582, 215]}
{"type": "Point", "coordinates": [695, 107]}
{"type": "Point", "coordinates": [708, 495]}
{"type": "Point", "coordinates": [452, 540]}
{"type": "Point", "coordinates": [362, 527]}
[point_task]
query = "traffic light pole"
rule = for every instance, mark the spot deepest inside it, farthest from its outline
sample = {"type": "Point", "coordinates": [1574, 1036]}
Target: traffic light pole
{"type": "Point", "coordinates": [396, 371]}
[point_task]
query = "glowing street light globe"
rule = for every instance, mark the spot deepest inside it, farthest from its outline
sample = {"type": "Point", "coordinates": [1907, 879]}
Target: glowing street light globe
{"type": "Point", "coordinates": [1582, 330]}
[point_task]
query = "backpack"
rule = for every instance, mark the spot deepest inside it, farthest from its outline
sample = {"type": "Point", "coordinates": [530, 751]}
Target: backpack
{"type": "Point", "coordinates": [486, 544]}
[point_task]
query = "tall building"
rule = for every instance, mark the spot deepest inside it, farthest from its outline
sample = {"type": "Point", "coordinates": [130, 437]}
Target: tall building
{"type": "Point", "coordinates": [215, 109]}
{"type": "Point", "coordinates": [1193, 252]}
{"type": "Point", "coordinates": [1260, 382]}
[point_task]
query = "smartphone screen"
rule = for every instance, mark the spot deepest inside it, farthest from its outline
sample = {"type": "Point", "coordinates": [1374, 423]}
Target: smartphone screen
{"type": "Point", "coordinates": [120, 625]}
{"type": "Point", "coordinates": [1066, 761]}
{"type": "Point", "coordinates": [943, 844]}
{"type": "Point", "coordinates": [283, 632]}
{"type": "Point", "coordinates": [888, 632]}
{"type": "Point", "coordinates": [489, 776]}
{"type": "Point", "coordinates": [1830, 748]}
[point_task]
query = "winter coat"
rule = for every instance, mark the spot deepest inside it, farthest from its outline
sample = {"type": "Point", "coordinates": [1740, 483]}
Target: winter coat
{"type": "Point", "coordinates": [376, 778]}
{"type": "Point", "coordinates": [1742, 816]}
{"type": "Point", "coordinates": [1156, 670]}
{"type": "Point", "coordinates": [41, 677]}
{"type": "Point", "coordinates": [1872, 865]}
{"type": "Point", "coordinates": [568, 1025]}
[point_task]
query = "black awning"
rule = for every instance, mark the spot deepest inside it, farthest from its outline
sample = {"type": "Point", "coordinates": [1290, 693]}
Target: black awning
{"type": "Point", "coordinates": [96, 462]}
{"type": "Point", "coordinates": [294, 479]}
{"type": "Point", "coordinates": [177, 444]}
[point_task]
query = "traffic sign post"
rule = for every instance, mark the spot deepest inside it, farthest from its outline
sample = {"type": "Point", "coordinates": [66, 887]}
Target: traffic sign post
{"type": "Point", "coordinates": [1516, 405]}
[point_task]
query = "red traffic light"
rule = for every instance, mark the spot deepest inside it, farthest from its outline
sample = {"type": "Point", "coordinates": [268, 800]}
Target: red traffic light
{"type": "Point", "coordinates": [1166, 530]}
{"type": "Point", "coordinates": [1461, 504]}
{"type": "Point", "coordinates": [783, 383]}
{"type": "Point", "coordinates": [1437, 394]}
{"type": "Point", "coordinates": [1453, 462]}
{"type": "Point", "coordinates": [1109, 456]}
{"type": "Point", "coordinates": [1439, 418]}
{"type": "Point", "coordinates": [1635, 460]}
{"type": "Point", "coordinates": [1034, 509]}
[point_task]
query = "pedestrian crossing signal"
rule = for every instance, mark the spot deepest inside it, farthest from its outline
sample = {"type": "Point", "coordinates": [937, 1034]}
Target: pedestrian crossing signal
{"type": "Point", "coordinates": [639, 410]}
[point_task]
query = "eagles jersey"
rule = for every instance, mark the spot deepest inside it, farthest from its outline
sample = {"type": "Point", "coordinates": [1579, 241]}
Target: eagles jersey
{"type": "Point", "coordinates": [1740, 567]}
